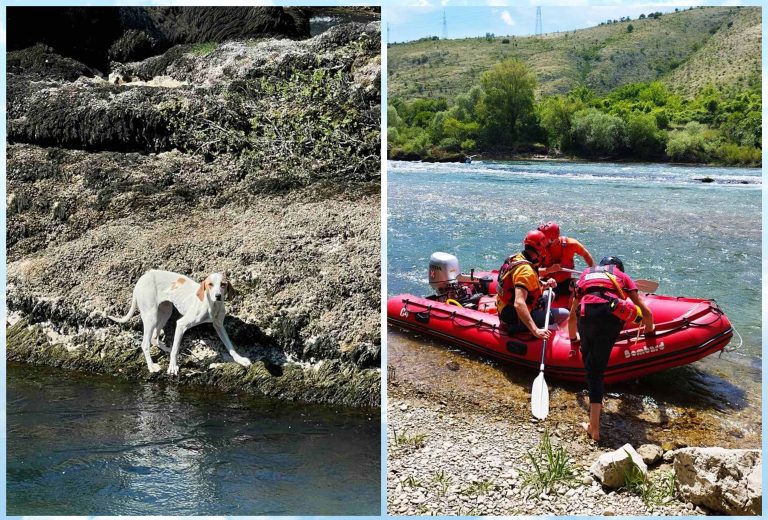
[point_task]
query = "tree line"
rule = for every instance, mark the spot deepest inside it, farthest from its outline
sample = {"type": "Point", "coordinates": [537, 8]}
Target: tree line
{"type": "Point", "coordinates": [640, 121]}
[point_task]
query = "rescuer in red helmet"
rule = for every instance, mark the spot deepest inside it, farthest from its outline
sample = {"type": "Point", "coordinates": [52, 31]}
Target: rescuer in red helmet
{"type": "Point", "coordinates": [604, 301]}
{"type": "Point", "coordinates": [559, 254]}
{"type": "Point", "coordinates": [519, 290]}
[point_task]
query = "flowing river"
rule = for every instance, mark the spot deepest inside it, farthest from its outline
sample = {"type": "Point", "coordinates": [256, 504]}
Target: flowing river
{"type": "Point", "coordinates": [696, 238]}
{"type": "Point", "coordinates": [79, 444]}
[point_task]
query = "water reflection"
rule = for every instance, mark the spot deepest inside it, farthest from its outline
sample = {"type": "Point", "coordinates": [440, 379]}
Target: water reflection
{"type": "Point", "coordinates": [93, 445]}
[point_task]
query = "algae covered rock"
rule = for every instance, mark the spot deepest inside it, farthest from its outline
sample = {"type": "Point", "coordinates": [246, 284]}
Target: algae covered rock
{"type": "Point", "coordinates": [259, 158]}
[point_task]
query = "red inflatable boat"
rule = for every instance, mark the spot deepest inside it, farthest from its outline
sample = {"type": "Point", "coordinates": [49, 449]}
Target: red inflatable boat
{"type": "Point", "coordinates": [464, 313]}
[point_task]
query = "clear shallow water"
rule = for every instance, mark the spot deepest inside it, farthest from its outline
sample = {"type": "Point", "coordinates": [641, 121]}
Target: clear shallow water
{"type": "Point", "coordinates": [697, 239]}
{"type": "Point", "coordinates": [84, 445]}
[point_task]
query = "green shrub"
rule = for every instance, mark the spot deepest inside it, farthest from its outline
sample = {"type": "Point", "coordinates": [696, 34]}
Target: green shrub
{"type": "Point", "coordinates": [735, 154]}
{"type": "Point", "coordinates": [687, 144]}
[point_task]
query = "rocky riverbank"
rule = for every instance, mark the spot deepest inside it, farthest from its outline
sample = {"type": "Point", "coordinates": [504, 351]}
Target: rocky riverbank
{"type": "Point", "coordinates": [460, 431]}
{"type": "Point", "coordinates": [450, 456]}
{"type": "Point", "coordinates": [245, 153]}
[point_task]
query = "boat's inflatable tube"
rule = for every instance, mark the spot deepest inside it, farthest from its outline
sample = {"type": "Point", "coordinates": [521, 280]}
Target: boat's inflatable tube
{"type": "Point", "coordinates": [687, 329]}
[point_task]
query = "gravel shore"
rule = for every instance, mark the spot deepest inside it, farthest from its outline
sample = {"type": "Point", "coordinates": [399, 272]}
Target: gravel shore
{"type": "Point", "coordinates": [449, 456]}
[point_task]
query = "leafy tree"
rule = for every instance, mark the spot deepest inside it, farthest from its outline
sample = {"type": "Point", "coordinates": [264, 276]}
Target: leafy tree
{"type": "Point", "coordinates": [598, 133]}
{"type": "Point", "coordinates": [744, 129]}
{"type": "Point", "coordinates": [655, 92]}
{"type": "Point", "coordinates": [556, 115]}
{"type": "Point", "coordinates": [508, 100]}
{"type": "Point", "coordinates": [643, 136]}
{"type": "Point", "coordinates": [393, 118]}
{"type": "Point", "coordinates": [466, 105]}
{"type": "Point", "coordinates": [584, 94]}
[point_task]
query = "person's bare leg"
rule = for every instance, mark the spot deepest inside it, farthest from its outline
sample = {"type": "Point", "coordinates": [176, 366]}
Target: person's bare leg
{"type": "Point", "coordinates": [594, 420]}
{"type": "Point", "coordinates": [593, 426]}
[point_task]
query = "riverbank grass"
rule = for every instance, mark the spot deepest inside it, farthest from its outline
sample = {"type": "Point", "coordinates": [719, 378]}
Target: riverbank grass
{"type": "Point", "coordinates": [480, 488]}
{"type": "Point", "coordinates": [551, 467]}
{"type": "Point", "coordinates": [417, 440]}
{"type": "Point", "coordinates": [653, 491]}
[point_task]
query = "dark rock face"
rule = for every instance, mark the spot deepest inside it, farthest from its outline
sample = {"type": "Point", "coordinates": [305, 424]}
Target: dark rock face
{"type": "Point", "coordinates": [98, 35]}
{"type": "Point", "coordinates": [41, 62]}
{"type": "Point", "coordinates": [259, 158]}
{"type": "Point", "coordinates": [81, 33]}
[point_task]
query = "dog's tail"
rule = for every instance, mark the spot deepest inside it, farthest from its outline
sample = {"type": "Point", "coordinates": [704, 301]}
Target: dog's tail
{"type": "Point", "coordinates": [128, 316]}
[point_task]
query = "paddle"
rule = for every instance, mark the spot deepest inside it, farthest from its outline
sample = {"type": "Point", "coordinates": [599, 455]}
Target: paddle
{"type": "Point", "coordinates": [647, 286]}
{"type": "Point", "coordinates": [540, 392]}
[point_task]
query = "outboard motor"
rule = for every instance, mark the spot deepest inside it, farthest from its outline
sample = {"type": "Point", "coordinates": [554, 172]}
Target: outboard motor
{"type": "Point", "coordinates": [444, 278]}
{"type": "Point", "coordinates": [443, 272]}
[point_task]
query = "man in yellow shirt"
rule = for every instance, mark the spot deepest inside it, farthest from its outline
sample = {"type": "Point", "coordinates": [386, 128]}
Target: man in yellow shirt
{"type": "Point", "coordinates": [519, 290]}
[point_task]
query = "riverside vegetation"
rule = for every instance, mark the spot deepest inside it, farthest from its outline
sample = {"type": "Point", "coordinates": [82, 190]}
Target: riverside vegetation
{"type": "Point", "coordinates": [682, 87]}
{"type": "Point", "coordinates": [198, 140]}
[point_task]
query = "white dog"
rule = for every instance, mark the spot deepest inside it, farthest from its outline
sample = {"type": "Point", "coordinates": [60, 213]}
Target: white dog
{"type": "Point", "coordinates": [157, 292]}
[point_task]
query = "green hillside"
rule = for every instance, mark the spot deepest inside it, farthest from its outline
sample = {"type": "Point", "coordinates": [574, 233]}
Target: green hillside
{"type": "Point", "coordinates": [686, 50]}
{"type": "Point", "coordinates": [731, 57]}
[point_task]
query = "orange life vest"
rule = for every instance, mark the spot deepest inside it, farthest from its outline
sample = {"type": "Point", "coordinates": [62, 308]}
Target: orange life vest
{"type": "Point", "coordinates": [510, 267]}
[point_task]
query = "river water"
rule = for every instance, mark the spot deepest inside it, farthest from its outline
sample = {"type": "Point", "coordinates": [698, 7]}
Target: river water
{"type": "Point", "coordinates": [80, 444]}
{"type": "Point", "coordinates": [697, 239]}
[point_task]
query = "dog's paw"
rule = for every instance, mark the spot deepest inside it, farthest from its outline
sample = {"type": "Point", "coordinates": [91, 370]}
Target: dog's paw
{"type": "Point", "coordinates": [244, 361]}
{"type": "Point", "coordinates": [173, 370]}
{"type": "Point", "coordinates": [154, 367]}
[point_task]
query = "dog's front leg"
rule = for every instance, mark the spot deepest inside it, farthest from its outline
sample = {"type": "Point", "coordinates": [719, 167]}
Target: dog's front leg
{"type": "Point", "coordinates": [181, 327]}
{"type": "Point", "coordinates": [221, 331]}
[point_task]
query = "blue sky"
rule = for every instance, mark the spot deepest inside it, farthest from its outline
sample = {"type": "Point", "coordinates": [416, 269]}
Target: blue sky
{"type": "Point", "coordinates": [425, 18]}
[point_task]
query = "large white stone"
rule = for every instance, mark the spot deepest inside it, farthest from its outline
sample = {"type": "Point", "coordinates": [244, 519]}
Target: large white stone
{"type": "Point", "coordinates": [612, 468]}
{"type": "Point", "coordinates": [723, 480]}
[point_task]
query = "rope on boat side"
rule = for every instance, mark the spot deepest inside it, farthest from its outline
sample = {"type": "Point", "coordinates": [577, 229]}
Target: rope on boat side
{"type": "Point", "coordinates": [734, 349]}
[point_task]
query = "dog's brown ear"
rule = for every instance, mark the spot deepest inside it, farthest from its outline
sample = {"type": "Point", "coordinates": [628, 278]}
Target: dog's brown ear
{"type": "Point", "coordinates": [201, 290]}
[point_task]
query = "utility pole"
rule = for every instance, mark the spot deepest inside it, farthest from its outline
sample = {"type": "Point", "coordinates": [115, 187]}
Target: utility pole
{"type": "Point", "coordinates": [445, 27]}
{"type": "Point", "coordinates": [538, 22]}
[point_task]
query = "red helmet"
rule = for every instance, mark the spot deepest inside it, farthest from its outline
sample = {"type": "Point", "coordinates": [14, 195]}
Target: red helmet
{"type": "Point", "coordinates": [537, 240]}
{"type": "Point", "coordinates": [551, 230]}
